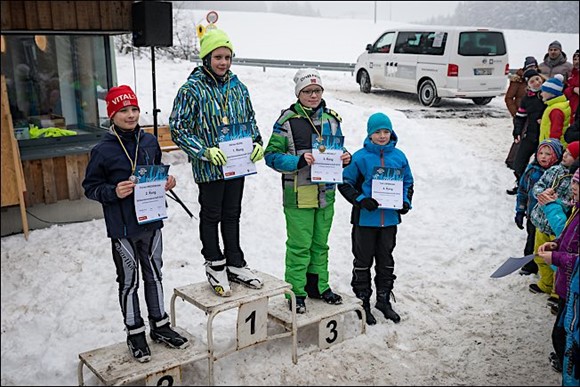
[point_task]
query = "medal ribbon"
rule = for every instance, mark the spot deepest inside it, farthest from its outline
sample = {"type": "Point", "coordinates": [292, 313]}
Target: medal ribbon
{"type": "Point", "coordinates": [133, 162]}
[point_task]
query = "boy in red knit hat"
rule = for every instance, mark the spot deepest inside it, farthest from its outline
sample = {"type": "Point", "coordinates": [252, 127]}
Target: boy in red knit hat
{"type": "Point", "coordinates": [108, 180]}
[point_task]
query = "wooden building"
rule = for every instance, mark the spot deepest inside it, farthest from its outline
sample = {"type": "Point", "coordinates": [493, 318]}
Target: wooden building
{"type": "Point", "coordinates": [58, 61]}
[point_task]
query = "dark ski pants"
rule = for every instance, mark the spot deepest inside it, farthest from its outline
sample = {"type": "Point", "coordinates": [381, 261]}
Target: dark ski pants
{"type": "Point", "coordinates": [221, 204]}
{"type": "Point", "coordinates": [142, 250]}
{"type": "Point", "coordinates": [531, 231]}
{"type": "Point", "coordinates": [558, 331]}
{"type": "Point", "coordinates": [528, 146]}
{"type": "Point", "coordinates": [373, 244]}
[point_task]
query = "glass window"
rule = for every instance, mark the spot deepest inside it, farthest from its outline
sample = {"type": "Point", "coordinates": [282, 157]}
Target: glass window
{"type": "Point", "coordinates": [57, 81]}
{"type": "Point", "coordinates": [433, 43]}
{"type": "Point", "coordinates": [481, 43]}
{"type": "Point", "coordinates": [383, 44]}
{"type": "Point", "coordinates": [408, 42]}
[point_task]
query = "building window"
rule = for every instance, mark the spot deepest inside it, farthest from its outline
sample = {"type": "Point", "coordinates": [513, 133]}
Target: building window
{"type": "Point", "coordinates": [57, 81]}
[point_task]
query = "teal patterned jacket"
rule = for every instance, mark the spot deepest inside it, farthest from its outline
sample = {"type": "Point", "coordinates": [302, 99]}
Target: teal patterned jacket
{"type": "Point", "coordinates": [559, 178]}
{"type": "Point", "coordinates": [196, 118]}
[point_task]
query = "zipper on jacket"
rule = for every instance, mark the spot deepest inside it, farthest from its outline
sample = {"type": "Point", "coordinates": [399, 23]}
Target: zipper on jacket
{"type": "Point", "coordinates": [382, 165]}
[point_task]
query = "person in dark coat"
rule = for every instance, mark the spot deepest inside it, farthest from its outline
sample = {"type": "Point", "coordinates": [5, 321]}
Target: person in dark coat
{"type": "Point", "coordinates": [109, 179]}
{"type": "Point", "coordinates": [526, 131]}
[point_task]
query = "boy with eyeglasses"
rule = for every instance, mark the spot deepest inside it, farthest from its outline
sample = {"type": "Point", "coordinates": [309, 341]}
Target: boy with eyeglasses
{"type": "Point", "coordinates": [308, 206]}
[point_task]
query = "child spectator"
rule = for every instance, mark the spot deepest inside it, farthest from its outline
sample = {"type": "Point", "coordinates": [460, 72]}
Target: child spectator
{"type": "Point", "coordinates": [549, 153]}
{"type": "Point", "coordinates": [374, 229]}
{"type": "Point", "coordinates": [527, 123]}
{"type": "Point", "coordinates": [571, 90]}
{"type": "Point", "coordinates": [563, 253]}
{"type": "Point", "coordinates": [571, 363]}
{"type": "Point", "coordinates": [556, 180]}
{"type": "Point", "coordinates": [556, 117]}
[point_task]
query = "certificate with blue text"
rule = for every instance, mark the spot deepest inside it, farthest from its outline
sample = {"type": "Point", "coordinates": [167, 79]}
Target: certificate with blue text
{"type": "Point", "coordinates": [387, 187]}
{"type": "Point", "coordinates": [236, 142]}
{"type": "Point", "coordinates": [149, 192]}
{"type": "Point", "coordinates": [327, 166]}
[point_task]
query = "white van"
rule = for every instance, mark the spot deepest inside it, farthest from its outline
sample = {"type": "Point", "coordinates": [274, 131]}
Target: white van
{"type": "Point", "coordinates": [436, 62]}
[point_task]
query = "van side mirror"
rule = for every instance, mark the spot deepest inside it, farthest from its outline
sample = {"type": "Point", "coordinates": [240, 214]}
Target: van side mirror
{"type": "Point", "coordinates": [369, 47]}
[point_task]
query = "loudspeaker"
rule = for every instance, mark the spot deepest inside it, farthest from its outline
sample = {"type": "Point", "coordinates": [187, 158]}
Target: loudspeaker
{"type": "Point", "coordinates": [152, 24]}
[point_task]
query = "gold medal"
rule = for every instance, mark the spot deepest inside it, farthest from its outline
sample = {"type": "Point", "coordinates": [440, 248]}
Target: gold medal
{"type": "Point", "coordinates": [321, 148]}
{"type": "Point", "coordinates": [225, 120]}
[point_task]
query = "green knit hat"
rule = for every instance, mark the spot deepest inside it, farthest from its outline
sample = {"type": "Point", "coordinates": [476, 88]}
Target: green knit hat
{"type": "Point", "coordinates": [213, 39]}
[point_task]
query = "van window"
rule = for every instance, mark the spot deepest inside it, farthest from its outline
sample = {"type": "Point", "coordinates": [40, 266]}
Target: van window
{"type": "Point", "coordinates": [408, 43]}
{"type": "Point", "coordinates": [419, 42]}
{"type": "Point", "coordinates": [481, 43]}
{"type": "Point", "coordinates": [383, 44]}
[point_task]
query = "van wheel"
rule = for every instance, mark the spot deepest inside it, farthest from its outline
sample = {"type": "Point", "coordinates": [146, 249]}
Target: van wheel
{"type": "Point", "coordinates": [365, 82]}
{"type": "Point", "coordinates": [482, 100]}
{"type": "Point", "coordinates": [428, 94]}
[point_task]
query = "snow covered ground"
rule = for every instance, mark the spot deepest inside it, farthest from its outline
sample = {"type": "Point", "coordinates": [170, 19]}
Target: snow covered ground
{"type": "Point", "coordinates": [459, 326]}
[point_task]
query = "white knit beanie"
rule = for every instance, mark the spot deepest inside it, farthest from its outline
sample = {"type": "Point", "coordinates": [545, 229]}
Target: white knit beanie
{"type": "Point", "coordinates": [305, 77]}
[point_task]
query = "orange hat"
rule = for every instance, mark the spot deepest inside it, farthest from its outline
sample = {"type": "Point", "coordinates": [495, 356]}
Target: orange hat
{"type": "Point", "coordinates": [119, 97]}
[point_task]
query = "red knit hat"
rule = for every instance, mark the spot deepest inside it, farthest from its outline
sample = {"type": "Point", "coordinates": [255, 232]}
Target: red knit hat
{"type": "Point", "coordinates": [573, 148]}
{"type": "Point", "coordinates": [119, 97]}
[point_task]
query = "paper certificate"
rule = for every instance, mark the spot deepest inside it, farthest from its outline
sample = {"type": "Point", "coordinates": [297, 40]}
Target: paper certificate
{"type": "Point", "coordinates": [387, 187]}
{"type": "Point", "coordinates": [327, 167]}
{"type": "Point", "coordinates": [150, 192]}
{"type": "Point", "coordinates": [236, 142]}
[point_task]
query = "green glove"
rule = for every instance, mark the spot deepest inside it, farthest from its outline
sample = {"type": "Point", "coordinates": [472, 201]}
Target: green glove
{"type": "Point", "coordinates": [257, 153]}
{"type": "Point", "coordinates": [216, 156]}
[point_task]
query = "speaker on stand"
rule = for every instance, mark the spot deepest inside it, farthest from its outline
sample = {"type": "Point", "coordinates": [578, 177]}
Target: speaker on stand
{"type": "Point", "coordinates": [152, 26]}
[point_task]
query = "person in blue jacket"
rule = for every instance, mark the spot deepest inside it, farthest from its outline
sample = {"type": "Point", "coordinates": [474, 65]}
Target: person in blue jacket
{"type": "Point", "coordinates": [374, 230]}
{"type": "Point", "coordinates": [108, 180]}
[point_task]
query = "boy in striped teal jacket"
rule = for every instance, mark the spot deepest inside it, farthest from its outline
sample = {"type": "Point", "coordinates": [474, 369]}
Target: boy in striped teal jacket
{"type": "Point", "coordinates": [211, 99]}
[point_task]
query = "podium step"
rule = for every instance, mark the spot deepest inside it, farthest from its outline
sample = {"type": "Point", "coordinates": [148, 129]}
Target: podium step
{"type": "Point", "coordinates": [114, 365]}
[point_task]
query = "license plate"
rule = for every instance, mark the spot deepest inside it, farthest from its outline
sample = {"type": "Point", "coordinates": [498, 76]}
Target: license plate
{"type": "Point", "coordinates": [482, 71]}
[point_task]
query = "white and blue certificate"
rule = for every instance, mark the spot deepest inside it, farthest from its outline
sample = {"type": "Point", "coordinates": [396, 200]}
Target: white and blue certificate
{"type": "Point", "coordinates": [327, 166]}
{"type": "Point", "coordinates": [150, 192]}
{"type": "Point", "coordinates": [236, 142]}
{"type": "Point", "coordinates": [387, 187]}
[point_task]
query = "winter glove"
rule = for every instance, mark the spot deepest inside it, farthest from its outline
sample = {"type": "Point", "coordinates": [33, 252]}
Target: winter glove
{"type": "Point", "coordinates": [519, 219]}
{"type": "Point", "coordinates": [369, 204]}
{"type": "Point", "coordinates": [405, 209]}
{"type": "Point", "coordinates": [216, 156]}
{"type": "Point", "coordinates": [257, 153]}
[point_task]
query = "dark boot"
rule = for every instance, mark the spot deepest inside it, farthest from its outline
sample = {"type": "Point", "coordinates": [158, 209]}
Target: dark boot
{"type": "Point", "coordinates": [384, 305]}
{"type": "Point", "coordinates": [161, 332]}
{"type": "Point", "coordinates": [371, 320]}
{"type": "Point", "coordinates": [311, 287]}
{"type": "Point", "coordinates": [137, 343]}
{"type": "Point", "coordinates": [365, 296]}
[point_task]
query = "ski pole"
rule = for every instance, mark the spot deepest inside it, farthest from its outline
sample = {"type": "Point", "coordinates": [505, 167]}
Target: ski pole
{"type": "Point", "coordinates": [178, 200]}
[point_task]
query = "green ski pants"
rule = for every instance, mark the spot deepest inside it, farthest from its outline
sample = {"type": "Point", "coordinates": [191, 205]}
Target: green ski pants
{"type": "Point", "coordinates": [307, 246]}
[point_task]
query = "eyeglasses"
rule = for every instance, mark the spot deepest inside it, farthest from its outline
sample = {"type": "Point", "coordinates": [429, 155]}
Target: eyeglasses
{"type": "Point", "coordinates": [311, 92]}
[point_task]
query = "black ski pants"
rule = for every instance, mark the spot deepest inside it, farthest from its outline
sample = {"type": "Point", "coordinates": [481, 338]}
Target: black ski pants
{"type": "Point", "coordinates": [221, 204]}
{"type": "Point", "coordinates": [373, 244]}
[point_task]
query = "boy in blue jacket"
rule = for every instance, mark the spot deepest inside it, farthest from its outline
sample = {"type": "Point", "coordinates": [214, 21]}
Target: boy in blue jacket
{"type": "Point", "coordinates": [374, 229]}
{"type": "Point", "coordinates": [108, 180]}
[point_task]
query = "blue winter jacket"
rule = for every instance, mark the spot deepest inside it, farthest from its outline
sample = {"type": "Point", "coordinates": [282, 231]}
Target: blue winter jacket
{"type": "Point", "coordinates": [108, 165]}
{"type": "Point", "coordinates": [357, 181]}
{"type": "Point", "coordinates": [525, 201]}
